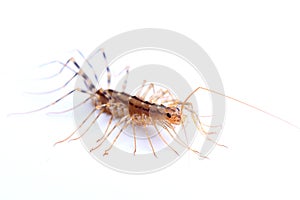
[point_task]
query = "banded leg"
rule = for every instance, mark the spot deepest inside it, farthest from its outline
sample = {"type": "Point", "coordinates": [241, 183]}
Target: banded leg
{"type": "Point", "coordinates": [56, 101]}
{"type": "Point", "coordinates": [101, 50]}
{"type": "Point", "coordinates": [78, 105]}
{"type": "Point", "coordinates": [126, 78]}
{"type": "Point", "coordinates": [65, 64]}
{"type": "Point", "coordinates": [88, 82]}
{"type": "Point", "coordinates": [89, 64]}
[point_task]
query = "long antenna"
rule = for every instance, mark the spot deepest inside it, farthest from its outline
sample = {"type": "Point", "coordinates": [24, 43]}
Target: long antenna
{"type": "Point", "coordinates": [239, 101]}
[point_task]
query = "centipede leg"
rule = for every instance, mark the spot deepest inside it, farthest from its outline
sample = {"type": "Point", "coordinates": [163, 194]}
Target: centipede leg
{"type": "Point", "coordinates": [149, 140]}
{"type": "Point", "coordinates": [83, 122]}
{"type": "Point", "coordinates": [78, 105]}
{"type": "Point", "coordinates": [134, 138]}
{"type": "Point", "coordinates": [103, 138]}
{"type": "Point", "coordinates": [107, 68]}
{"type": "Point", "coordinates": [56, 101]}
{"type": "Point", "coordinates": [201, 129]}
{"type": "Point", "coordinates": [179, 141]}
{"type": "Point", "coordinates": [87, 81]}
{"type": "Point", "coordinates": [127, 122]}
{"type": "Point", "coordinates": [124, 85]}
{"type": "Point", "coordinates": [138, 94]}
{"type": "Point", "coordinates": [200, 126]}
{"type": "Point", "coordinates": [107, 127]}
{"type": "Point", "coordinates": [211, 126]}
{"type": "Point", "coordinates": [161, 95]}
{"type": "Point", "coordinates": [89, 64]}
{"type": "Point", "coordinates": [91, 124]}
{"type": "Point", "coordinates": [184, 130]}
{"type": "Point", "coordinates": [163, 139]}
{"type": "Point", "coordinates": [142, 96]}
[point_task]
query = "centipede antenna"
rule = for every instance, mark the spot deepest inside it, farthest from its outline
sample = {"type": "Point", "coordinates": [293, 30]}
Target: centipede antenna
{"type": "Point", "coordinates": [241, 102]}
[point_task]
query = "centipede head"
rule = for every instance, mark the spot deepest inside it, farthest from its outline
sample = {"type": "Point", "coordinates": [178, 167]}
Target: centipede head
{"type": "Point", "coordinates": [173, 115]}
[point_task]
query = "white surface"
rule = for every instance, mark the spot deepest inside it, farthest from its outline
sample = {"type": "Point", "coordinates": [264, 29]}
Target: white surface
{"type": "Point", "coordinates": [255, 47]}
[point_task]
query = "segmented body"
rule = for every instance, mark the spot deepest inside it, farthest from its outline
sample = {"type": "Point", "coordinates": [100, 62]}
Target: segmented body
{"type": "Point", "coordinates": [137, 112]}
{"type": "Point", "coordinates": [121, 104]}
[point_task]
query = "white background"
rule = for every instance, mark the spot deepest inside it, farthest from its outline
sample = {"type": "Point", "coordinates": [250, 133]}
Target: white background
{"type": "Point", "coordinates": [255, 46]}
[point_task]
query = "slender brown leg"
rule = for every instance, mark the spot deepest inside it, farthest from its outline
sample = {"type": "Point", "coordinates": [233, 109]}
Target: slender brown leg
{"type": "Point", "coordinates": [160, 94]}
{"type": "Point", "coordinates": [185, 134]}
{"type": "Point", "coordinates": [91, 124]}
{"type": "Point", "coordinates": [83, 122]}
{"type": "Point", "coordinates": [142, 96]}
{"type": "Point", "coordinates": [163, 139]}
{"type": "Point", "coordinates": [108, 134]}
{"type": "Point", "coordinates": [179, 141]}
{"type": "Point", "coordinates": [200, 126]}
{"type": "Point", "coordinates": [138, 94]}
{"type": "Point", "coordinates": [212, 126]}
{"type": "Point", "coordinates": [134, 138]}
{"type": "Point", "coordinates": [108, 125]}
{"type": "Point", "coordinates": [149, 140]}
{"type": "Point", "coordinates": [201, 130]}
{"type": "Point", "coordinates": [115, 139]}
